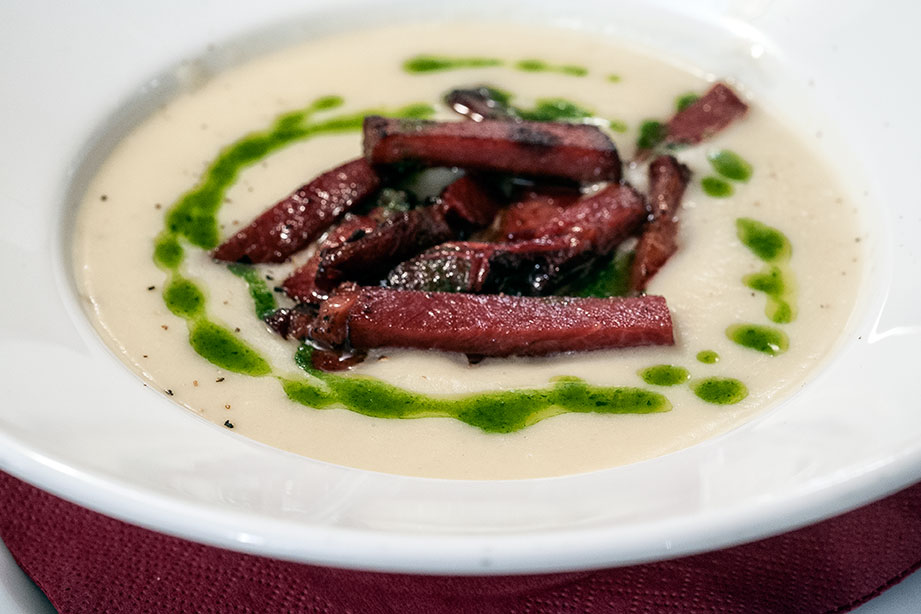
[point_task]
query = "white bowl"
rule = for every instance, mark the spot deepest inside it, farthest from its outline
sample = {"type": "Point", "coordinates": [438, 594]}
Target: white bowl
{"type": "Point", "coordinates": [76, 422]}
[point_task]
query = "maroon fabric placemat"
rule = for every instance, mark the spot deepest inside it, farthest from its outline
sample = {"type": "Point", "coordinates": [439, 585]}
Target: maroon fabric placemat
{"type": "Point", "coordinates": [88, 563]}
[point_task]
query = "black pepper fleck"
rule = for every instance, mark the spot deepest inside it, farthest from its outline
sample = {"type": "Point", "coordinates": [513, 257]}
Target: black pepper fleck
{"type": "Point", "coordinates": [228, 424]}
{"type": "Point", "coordinates": [103, 198]}
{"type": "Point", "coordinates": [278, 289]}
{"type": "Point", "coordinates": [151, 287]}
{"type": "Point", "coordinates": [169, 391]}
{"type": "Point", "coordinates": [269, 278]}
{"type": "Point", "coordinates": [219, 380]}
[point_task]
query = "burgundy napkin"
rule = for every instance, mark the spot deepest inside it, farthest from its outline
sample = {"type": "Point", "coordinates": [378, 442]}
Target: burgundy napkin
{"type": "Point", "coordinates": [88, 563]}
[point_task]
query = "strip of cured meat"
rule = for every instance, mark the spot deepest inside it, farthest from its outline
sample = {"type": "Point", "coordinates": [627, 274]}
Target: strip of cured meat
{"type": "Point", "coordinates": [292, 223]}
{"type": "Point", "coordinates": [362, 318]}
{"type": "Point", "coordinates": [579, 152]}
{"type": "Point", "coordinates": [590, 228]}
{"type": "Point", "coordinates": [706, 116]}
{"type": "Point", "coordinates": [301, 285]}
{"type": "Point", "coordinates": [465, 204]}
{"type": "Point", "coordinates": [668, 179]}
{"type": "Point", "coordinates": [533, 210]}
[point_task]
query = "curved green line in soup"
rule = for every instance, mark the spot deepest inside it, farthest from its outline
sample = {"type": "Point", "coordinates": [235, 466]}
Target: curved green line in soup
{"type": "Point", "coordinates": [494, 412]}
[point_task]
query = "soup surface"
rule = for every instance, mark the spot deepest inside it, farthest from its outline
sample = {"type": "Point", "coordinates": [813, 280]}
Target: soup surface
{"type": "Point", "coordinates": [750, 326]}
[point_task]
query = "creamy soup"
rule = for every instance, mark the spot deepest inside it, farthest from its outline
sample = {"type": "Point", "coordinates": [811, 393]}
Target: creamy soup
{"type": "Point", "coordinates": [750, 326]}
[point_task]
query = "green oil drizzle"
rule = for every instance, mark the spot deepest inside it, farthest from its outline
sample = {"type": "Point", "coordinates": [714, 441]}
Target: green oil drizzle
{"type": "Point", "coordinates": [708, 357]}
{"type": "Point", "coordinates": [664, 375]}
{"type": "Point", "coordinates": [531, 65]}
{"type": "Point", "coordinates": [436, 63]}
{"type": "Point", "coordinates": [552, 110]}
{"type": "Point", "coordinates": [716, 187]}
{"type": "Point", "coordinates": [719, 390]}
{"type": "Point", "coordinates": [730, 165]}
{"type": "Point", "coordinates": [614, 78]}
{"type": "Point", "coordinates": [610, 278]}
{"type": "Point", "coordinates": [193, 219]}
{"type": "Point", "coordinates": [685, 100]}
{"type": "Point", "coordinates": [769, 244]}
{"type": "Point", "coordinates": [220, 346]}
{"type": "Point", "coordinates": [764, 339]}
{"type": "Point", "coordinates": [263, 300]}
{"type": "Point", "coordinates": [652, 132]}
{"type": "Point", "coordinates": [183, 298]}
{"type": "Point", "coordinates": [776, 279]}
{"type": "Point", "coordinates": [495, 412]}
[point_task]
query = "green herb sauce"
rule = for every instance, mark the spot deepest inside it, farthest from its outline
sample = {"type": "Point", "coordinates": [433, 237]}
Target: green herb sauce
{"type": "Point", "coordinates": [708, 357]}
{"type": "Point", "coordinates": [776, 279]}
{"type": "Point", "coordinates": [765, 339]}
{"type": "Point", "coordinates": [610, 278]}
{"type": "Point", "coordinates": [716, 187]}
{"type": "Point", "coordinates": [685, 100]}
{"type": "Point", "coordinates": [664, 375]}
{"type": "Point", "coordinates": [494, 412]}
{"type": "Point", "coordinates": [652, 132]}
{"type": "Point", "coordinates": [531, 65]}
{"type": "Point", "coordinates": [263, 300]}
{"type": "Point", "coordinates": [730, 165]}
{"type": "Point", "coordinates": [436, 63]}
{"type": "Point", "coordinates": [720, 390]}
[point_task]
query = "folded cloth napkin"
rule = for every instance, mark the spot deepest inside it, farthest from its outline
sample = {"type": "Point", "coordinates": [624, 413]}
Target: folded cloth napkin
{"type": "Point", "coordinates": [88, 563]}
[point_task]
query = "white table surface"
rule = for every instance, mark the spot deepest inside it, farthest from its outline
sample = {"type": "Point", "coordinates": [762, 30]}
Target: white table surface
{"type": "Point", "coordinates": [18, 595]}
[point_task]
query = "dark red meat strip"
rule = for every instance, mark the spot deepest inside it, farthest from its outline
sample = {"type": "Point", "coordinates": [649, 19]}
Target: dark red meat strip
{"type": "Point", "coordinates": [465, 204]}
{"type": "Point", "coordinates": [574, 151]}
{"type": "Point", "coordinates": [301, 285]}
{"type": "Point", "coordinates": [592, 227]}
{"type": "Point", "coordinates": [533, 210]}
{"type": "Point", "coordinates": [668, 179]}
{"type": "Point", "coordinates": [362, 318]}
{"type": "Point", "coordinates": [706, 116]}
{"type": "Point", "coordinates": [291, 323]}
{"type": "Point", "coordinates": [291, 224]}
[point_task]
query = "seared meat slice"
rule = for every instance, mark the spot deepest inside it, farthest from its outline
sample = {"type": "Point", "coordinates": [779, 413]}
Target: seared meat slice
{"type": "Point", "coordinates": [579, 152]}
{"type": "Point", "coordinates": [301, 285]}
{"type": "Point", "coordinates": [291, 224]}
{"type": "Point", "coordinates": [464, 205]}
{"type": "Point", "coordinates": [533, 210]}
{"type": "Point", "coordinates": [668, 179]}
{"type": "Point", "coordinates": [362, 318]}
{"type": "Point", "coordinates": [590, 228]}
{"type": "Point", "coordinates": [706, 116]}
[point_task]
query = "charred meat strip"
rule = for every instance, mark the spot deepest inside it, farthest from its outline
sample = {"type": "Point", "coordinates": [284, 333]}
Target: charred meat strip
{"type": "Point", "coordinates": [533, 210]}
{"type": "Point", "coordinates": [291, 323]}
{"type": "Point", "coordinates": [706, 116]}
{"type": "Point", "coordinates": [668, 179]}
{"type": "Point", "coordinates": [465, 204]}
{"type": "Point", "coordinates": [605, 218]}
{"type": "Point", "coordinates": [566, 243]}
{"type": "Point", "coordinates": [294, 222]}
{"type": "Point", "coordinates": [362, 318]}
{"type": "Point", "coordinates": [530, 268]}
{"type": "Point", "coordinates": [579, 152]}
{"type": "Point", "coordinates": [301, 285]}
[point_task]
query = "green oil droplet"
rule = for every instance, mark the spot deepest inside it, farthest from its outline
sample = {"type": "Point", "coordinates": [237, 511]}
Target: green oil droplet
{"type": "Point", "coordinates": [720, 390]}
{"type": "Point", "coordinates": [708, 357]}
{"type": "Point", "coordinates": [685, 100]}
{"type": "Point", "coordinates": [652, 133]}
{"type": "Point", "coordinates": [664, 375]}
{"type": "Point", "coordinates": [184, 298]}
{"type": "Point", "coordinates": [716, 187]}
{"type": "Point", "coordinates": [730, 165]}
{"type": "Point", "coordinates": [263, 300]}
{"type": "Point", "coordinates": [768, 244]}
{"type": "Point", "coordinates": [764, 339]}
{"type": "Point", "coordinates": [614, 78]}
{"type": "Point", "coordinates": [221, 347]}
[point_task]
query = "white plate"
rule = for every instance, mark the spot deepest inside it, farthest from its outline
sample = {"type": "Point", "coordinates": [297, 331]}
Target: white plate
{"type": "Point", "coordinates": [75, 421]}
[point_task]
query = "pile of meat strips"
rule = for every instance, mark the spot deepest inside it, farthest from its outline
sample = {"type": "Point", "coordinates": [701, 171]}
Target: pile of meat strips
{"type": "Point", "coordinates": [475, 269]}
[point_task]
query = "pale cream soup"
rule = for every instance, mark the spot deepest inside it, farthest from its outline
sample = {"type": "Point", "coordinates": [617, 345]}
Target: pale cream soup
{"type": "Point", "coordinates": [124, 207]}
